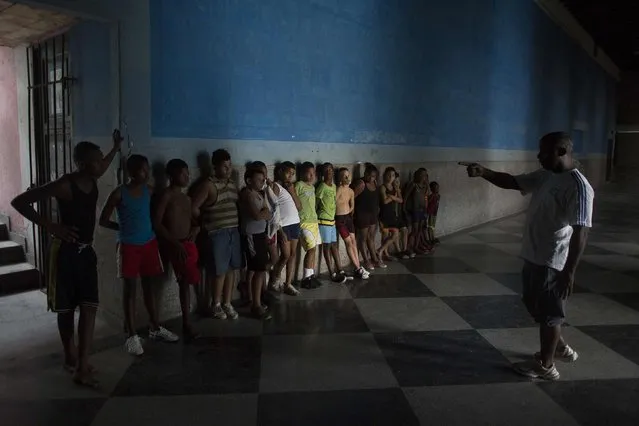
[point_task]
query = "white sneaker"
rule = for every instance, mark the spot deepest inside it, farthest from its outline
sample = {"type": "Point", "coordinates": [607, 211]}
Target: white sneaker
{"type": "Point", "coordinates": [568, 354]}
{"type": "Point", "coordinates": [230, 311]}
{"type": "Point", "coordinates": [363, 273]}
{"type": "Point", "coordinates": [163, 335]}
{"type": "Point", "coordinates": [133, 345]}
{"type": "Point", "coordinates": [218, 312]}
{"type": "Point", "coordinates": [535, 370]}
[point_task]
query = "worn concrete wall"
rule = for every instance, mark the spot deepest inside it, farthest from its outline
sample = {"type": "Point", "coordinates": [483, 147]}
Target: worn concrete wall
{"type": "Point", "coordinates": [10, 174]}
{"type": "Point", "coordinates": [345, 82]}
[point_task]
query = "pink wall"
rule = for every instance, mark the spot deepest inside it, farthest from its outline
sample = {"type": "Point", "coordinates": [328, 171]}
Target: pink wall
{"type": "Point", "coordinates": [10, 171]}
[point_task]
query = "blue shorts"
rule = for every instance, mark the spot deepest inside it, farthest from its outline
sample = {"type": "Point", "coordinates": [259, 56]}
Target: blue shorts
{"type": "Point", "coordinates": [328, 234]}
{"type": "Point", "coordinates": [226, 251]}
{"type": "Point", "coordinates": [292, 232]}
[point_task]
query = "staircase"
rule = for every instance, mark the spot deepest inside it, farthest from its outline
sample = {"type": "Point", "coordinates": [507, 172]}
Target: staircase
{"type": "Point", "coordinates": [16, 275]}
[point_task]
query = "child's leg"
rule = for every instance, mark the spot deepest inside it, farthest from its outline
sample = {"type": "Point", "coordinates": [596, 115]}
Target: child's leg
{"type": "Point", "coordinates": [149, 301]}
{"type": "Point", "coordinates": [185, 307]}
{"type": "Point", "coordinates": [256, 288]}
{"type": "Point", "coordinates": [335, 254]}
{"type": "Point", "coordinates": [86, 327]}
{"type": "Point", "coordinates": [362, 240]}
{"type": "Point", "coordinates": [404, 247]}
{"type": "Point", "coordinates": [291, 264]}
{"type": "Point", "coordinates": [66, 328]}
{"type": "Point", "coordinates": [274, 255]}
{"type": "Point", "coordinates": [370, 243]}
{"type": "Point", "coordinates": [326, 251]}
{"type": "Point", "coordinates": [310, 259]}
{"type": "Point", "coordinates": [228, 285]}
{"type": "Point", "coordinates": [351, 249]}
{"type": "Point", "coordinates": [285, 254]}
{"type": "Point", "coordinates": [391, 238]}
{"type": "Point", "coordinates": [128, 302]}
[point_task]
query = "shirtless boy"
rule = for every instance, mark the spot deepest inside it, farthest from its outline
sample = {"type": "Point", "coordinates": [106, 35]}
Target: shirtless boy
{"type": "Point", "coordinates": [177, 231]}
{"type": "Point", "coordinates": [344, 220]}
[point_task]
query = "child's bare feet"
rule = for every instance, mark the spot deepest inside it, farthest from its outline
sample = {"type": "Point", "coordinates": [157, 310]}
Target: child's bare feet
{"type": "Point", "coordinates": [188, 334]}
{"type": "Point", "coordinates": [85, 379]}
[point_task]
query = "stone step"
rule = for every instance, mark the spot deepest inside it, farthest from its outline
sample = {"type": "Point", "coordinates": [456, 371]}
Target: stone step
{"type": "Point", "coordinates": [18, 278]}
{"type": "Point", "coordinates": [10, 253]}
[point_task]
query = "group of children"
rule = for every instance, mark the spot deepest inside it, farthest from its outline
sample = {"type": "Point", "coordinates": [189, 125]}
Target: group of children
{"type": "Point", "coordinates": [221, 228]}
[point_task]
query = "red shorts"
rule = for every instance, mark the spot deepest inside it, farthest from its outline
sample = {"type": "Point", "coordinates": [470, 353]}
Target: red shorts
{"type": "Point", "coordinates": [186, 271]}
{"type": "Point", "coordinates": [139, 260]}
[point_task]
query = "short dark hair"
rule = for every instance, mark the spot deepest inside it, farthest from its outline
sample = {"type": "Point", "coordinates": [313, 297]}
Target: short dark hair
{"type": "Point", "coordinates": [433, 184]}
{"type": "Point", "coordinates": [370, 168]}
{"type": "Point", "coordinates": [175, 166]}
{"type": "Point", "coordinates": [387, 170]}
{"type": "Point", "coordinates": [562, 138]}
{"type": "Point", "coordinates": [257, 164]}
{"type": "Point", "coordinates": [306, 166]}
{"type": "Point", "coordinates": [135, 163]}
{"type": "Point", "coordinates": [250, 172]}
{"type": "Point", "coordinates": [342, 170]}
{"type": "Point", "coordinates": [418, 172]}
{"type": "Point", "coordinates": [82, 150]}
{"type": "Point", "coordinates": [219, 156]}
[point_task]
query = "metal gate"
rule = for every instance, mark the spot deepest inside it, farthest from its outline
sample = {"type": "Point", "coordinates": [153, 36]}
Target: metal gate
{"type": "Point", "coordinates": [49, 110]}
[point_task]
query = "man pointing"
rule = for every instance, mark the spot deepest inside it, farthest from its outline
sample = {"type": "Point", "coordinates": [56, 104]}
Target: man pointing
{"type": "Point", "coordinates": [557, 223]}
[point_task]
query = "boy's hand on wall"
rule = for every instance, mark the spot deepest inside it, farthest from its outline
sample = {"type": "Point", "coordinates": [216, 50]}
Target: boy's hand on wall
{"type": "Point", "coordinates": [117, 139]}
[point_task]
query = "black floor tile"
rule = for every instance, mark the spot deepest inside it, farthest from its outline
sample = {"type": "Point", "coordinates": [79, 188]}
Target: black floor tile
{"type": "Point", "coordinates": [348, 408]}
{"type": "Point", "coordinates": [54, 412]}
{"type": "Point", "coordinates": [623, 339]}
{"type": "Point", "coordinates": [511, 229]}
{"type": "Point", "coordinates": [384, 286]}
{"type": "Point", "coordinates": [491, 311]}
{"type": "Point", "coordinates": [594, 250]}
{"type": "Point", "coordinates": [315, 316]}
{"type": "Point", "coordinates": [631, 300]}
{"type": "Point", "coordinates": [438, 265]}
{"type": "Point", "coordinates": [497, 238]}
{"type": "Point", "coordinates": [513, 282]}
{"type": "Point", "coordinates": [444, 358]}
{"type": "Point", "coordinates": [598, 402]}
{"type": "Point", "coordinates": [211, 365]}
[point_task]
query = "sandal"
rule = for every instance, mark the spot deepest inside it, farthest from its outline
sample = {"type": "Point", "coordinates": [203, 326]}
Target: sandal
{"type": "Point", "coordinates": [290, 290]}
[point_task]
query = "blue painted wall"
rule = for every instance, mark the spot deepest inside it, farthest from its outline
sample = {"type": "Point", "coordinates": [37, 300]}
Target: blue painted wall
{"type": "Point", "coordinates": [457, 73]}
{"type": "Point", "coordinates": [90, 52]}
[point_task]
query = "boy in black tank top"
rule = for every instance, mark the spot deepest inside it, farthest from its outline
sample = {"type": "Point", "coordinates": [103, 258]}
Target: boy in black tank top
{"type": "Point", "coordinates": [73, 275]}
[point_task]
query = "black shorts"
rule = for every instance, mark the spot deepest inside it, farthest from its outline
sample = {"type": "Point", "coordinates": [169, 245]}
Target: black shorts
{"type": "Point", "coordinates": [364, 219]}
{"type": "Point", "coordinates": [256, 251]}
{"type": "Point", "coordinates": [73, 277]}
{"type": "Point", "coordinates": [542, 296]}
{"type": "Point", "coordinates": [292, 232]}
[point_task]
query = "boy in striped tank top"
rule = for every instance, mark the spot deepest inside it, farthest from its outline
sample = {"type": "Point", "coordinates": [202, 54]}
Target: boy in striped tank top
{"type": "Point", "coordinates": [215, 207]}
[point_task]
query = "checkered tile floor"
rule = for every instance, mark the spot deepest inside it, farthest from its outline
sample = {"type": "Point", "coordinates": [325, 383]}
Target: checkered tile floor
{"type": "Point", "coordinates": [429, 341]}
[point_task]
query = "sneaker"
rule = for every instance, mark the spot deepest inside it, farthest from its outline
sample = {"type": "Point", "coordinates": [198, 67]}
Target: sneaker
{"type": "Point", "coordinates": [535, 370]}
{"type": "Point", "coordinates": [218, 312]}
{"type": "Point", "coordinates": [316, 283]}
{"type": "Point", "coordinates": [163, 335]}
{"type": "Point", "coordinates": [230, 311]}
{"type": "Point", "coordinates": [413, 255]}
{"type": "Point", "coordinates": [307, 283]}
{"type": "Point", "coordinates": [347, 276]}
{"type": "Point", "coordinates": [568, 354]}
{"type": "Point", "coordinates": [338, 278]}
{"type": "Point", "coordinates": [370, 266]}
{"type": "Point", "coordinates": [362, 274]}
{"type": "Point", "coordinates": [133, 345]}
{"type": "Point", "coordinates": [261, 313]}
{"type": "Point", "coordinates": [382, 265]}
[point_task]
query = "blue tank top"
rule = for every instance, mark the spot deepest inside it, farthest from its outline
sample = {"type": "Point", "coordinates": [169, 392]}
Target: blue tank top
{"type": "Point", "coordinates": [134, 217]}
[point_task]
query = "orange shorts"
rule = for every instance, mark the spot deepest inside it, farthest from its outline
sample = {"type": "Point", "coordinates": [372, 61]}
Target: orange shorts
{"type": "Point", "coordinates": [186, 271]}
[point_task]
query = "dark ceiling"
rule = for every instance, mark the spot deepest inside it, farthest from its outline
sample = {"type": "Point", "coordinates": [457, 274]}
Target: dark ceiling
{"type": "Point", "coordinates": [614, 24]}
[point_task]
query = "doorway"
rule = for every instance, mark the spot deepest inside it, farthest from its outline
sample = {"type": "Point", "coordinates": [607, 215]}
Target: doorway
{"type": "Point", "coordinates": [50, 113]}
